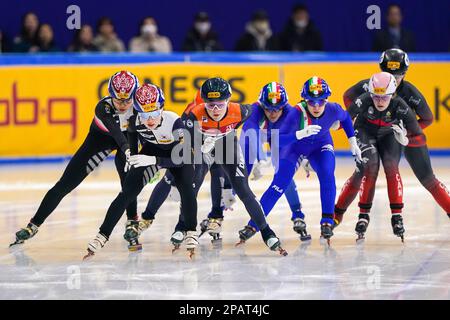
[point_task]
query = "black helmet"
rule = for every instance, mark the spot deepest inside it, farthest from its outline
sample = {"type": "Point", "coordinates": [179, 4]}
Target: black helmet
{"type": "Point", "coordinates": [394, 61]}
{"type": "Point", "coordinates": [215, 89]}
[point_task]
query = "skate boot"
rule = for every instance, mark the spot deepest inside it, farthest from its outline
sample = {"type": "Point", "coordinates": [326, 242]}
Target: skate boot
{"type": "Point", "coordinates": [25, 234]}
{"type": "Point", "coordinates": [245, 234]}
{"type": "Point", "coordinates": [214, 228]}
{"type": "Point", "coordinates": [191, 241]}
{"type": "Point", "coordinates": [361, 226]}
{"type": "Point", "coordinates": [131, 235]}
{"type": "Point", "coordinates": [397, 225]}
{"type": "Point", "coordinates": [144, 225]}
{"type": "Point", "coordinates": [176, 239]}
{"type": "Point", "coordinates": [326, 232]}
{"type": "Point", "coordinates": [300, 228]}
{"type": "Point", "coordinates": [272, 241]}
{"type": "Point", "coordinates": [94, 245]}
{"type": "Point", "coordinates": [338, 216]}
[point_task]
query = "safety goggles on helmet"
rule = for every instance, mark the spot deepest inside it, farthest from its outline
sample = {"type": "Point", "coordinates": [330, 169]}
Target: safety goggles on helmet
{"type": "Point", "coordinates": [150, 115]}
{"type": "Point", "coordinates": [216, 105]}
{"type": "Point", "coordinates": [316, 103]}
{"type": "Point", "coordinates": [381, 98]}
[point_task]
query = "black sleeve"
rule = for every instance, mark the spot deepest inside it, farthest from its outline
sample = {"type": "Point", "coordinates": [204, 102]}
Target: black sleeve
{"type": "Point", "coordinates": [356, 106]}
{"type": "Point", "coordinates": [246, 112]}
{"type": "Point", "coordinates": [409, 119]}
{"type": "Point", "coordinates": [418, 103]}
{"type": "Point", "coordinates": [133, 139]}
{"type": "Point", "coordinates": [353, 92]}
{"type": "Point", "coordinates": [104, 112]}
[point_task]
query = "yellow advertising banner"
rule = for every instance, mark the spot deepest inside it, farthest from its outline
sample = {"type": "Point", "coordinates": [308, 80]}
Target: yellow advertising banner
{"type": "Point", "coordinates": [47, 110]}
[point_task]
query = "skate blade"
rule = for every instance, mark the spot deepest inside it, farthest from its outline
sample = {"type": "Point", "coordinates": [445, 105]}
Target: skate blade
{"type": "Point", "coordinates": [135, 247]}
{"type": "Point", "coordinates": [305, 238]}
{"type": "Point", "coordinates": [16, 243]}
{"type": "Point", "coordinates": [360, 241]}
{"type": "Point", "coordinates": [89, 255]}
{"type": "Point", "coordinates": [175, 248]}
{"type": "Point", "coordinates": [241, 242]}
{"type": "Point", "coordinates": [191, 253]}
{"type": "Point", "coordinates": [282, 251]}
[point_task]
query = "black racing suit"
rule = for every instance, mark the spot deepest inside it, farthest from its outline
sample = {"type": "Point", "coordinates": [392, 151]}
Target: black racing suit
{"type": "Point", "coordinates": [376, 139]}
{"type": "Point", "coordinates": [416, 152]}
{"type": "Point", "coordinates": [107, 133]}
{"type": "Point", "coordinates": [158, 142]}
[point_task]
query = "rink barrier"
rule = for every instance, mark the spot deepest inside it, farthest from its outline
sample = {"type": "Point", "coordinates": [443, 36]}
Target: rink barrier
{"type": "Point", "coordinates": [47, 101]}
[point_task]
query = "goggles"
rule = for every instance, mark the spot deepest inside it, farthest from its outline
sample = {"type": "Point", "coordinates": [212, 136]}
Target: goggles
{"type": "Point", "coordinates": [316, 103]}
{"type": "Point", "coordinates": [381, 98]}
{"type": "Point", "coordinates": [216, 105]}
{"type": "Point", "coordinates": [150, 115]}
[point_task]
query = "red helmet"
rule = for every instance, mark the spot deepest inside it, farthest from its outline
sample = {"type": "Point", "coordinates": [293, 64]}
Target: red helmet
{"type": "Point", "coordinates": [122, 85]}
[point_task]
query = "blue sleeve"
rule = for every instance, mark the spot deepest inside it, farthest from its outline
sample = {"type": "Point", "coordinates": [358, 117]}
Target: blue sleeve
{"type": "Point", "coordinates": [346, 121]}
{"type": "Point", "coordinates": [287, 131]}
{"type": "Point", "coordinates": [251, 147]}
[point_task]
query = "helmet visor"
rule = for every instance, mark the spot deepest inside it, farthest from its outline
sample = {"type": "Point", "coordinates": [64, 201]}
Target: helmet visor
{"type": "Point", "coordinates": [316, 103]}
{"type": "Point", "coordinates": [150, 115]}
{"type": "Point", "coordinates": [216, 105]}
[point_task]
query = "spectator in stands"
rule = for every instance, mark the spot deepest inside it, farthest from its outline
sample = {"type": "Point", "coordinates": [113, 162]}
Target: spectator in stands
{"type": "Point", "coordinates": [106, 39]}
{"type": "Point", "coordinates": [300, 33]}
{"type": "Point", "coordinates": [394, 36]}
{"type": "Point", "coordinates": [201, 37]}
{"type": "Point", "coordinates": [258, 35]}
{"type": "Point", "coordinates": [28, 33]}
{"type": "Point", "coordinates": [83, 40]}
{"type": "Point", "coordinates": [149, 40]}
{"type": "Point", "coordinates": [45, 40]}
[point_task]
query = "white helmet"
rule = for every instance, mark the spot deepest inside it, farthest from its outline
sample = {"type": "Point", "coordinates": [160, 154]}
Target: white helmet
{"type": "Point", "coordinates": [382, 84]}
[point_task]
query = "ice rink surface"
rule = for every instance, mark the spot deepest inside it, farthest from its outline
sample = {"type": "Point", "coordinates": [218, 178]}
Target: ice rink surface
{"type": "Point", "coordinates": [50, 266]}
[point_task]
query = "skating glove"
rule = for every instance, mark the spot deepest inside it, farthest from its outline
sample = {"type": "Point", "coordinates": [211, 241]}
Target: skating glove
{"type": "Point", "coordinates": [400, 133]}
{"type": "Point", "coordinates": [228, 199]}
{"type": "Point", "coordinates": [208, 144]}
{"type": "Point", "coordinates": [258, 169]}
{"type": "Point", "coordinates": [356, 151]}
{"type": "Point", "coordinates": [127, 160]}
{"type": "Point", "coordinates": [308, 131]}
{"type": "Point", "coordinates": [141, 160]}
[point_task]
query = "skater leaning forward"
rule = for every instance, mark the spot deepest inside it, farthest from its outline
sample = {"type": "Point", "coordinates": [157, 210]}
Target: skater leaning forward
{"type": "Point", "coordinates": [212, 126]}
{"type": "Point", "coordinates": [108, 132]}
{"type": "Point", "coordinates": [159, 132]}
{"type": "Point", "coordinates": [384, 124]}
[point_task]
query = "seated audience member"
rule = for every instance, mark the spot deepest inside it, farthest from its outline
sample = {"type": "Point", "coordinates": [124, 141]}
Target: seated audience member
{"type": "Point", "coordinates": [106, 39]}
{"type": "Point", "coordinates": [201, 37]}
{"type": "Point", "coordinates": [258, 35]}
{"type": "Point", "coordinates": [83, 40]}
{"type": "Point", "coordinates": [149, 40]}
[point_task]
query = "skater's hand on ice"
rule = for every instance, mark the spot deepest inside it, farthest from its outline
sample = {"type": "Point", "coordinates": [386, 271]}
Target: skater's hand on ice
{"type": "Point", "coordinates": [356, 151]}
{"type": "Point", "coordinates": [258, 169]}
{"type": "Point", "coordinates": [208, 144]}
{"type": "Point", "coordinates": [141, 160]}
{"type": "Point", "coordinates": [308, 131]}
{"type": "Point", "coordinates": [400, 133]}
{"type": "Point", "coordinates": [228, 199]}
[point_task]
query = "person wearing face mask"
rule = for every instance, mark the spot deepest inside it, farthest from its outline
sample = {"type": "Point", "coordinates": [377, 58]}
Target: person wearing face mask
{"type": "Point", "coordinates": [159, 132]}
{"type": "Point", "coordinates": [300, 33]}
{"type": "Point", "coordinates": [258, 35]}
{"type": "Point", "coordinates": [306, 135]}
{"type": "Point", "coordinates": [201, 37]}
{"type": "Point", "coordinates": [149, 40]}
{"type": "Point", "coordinates": [384, 124]}
{"type": "Point", "coordinates": [396, 62]}
{"type": "Point", "coordinates": [108, 132]}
